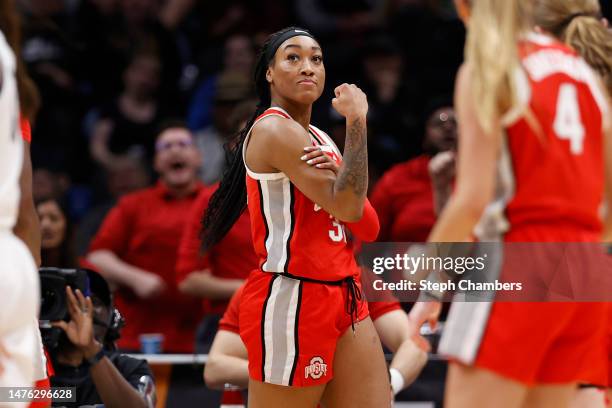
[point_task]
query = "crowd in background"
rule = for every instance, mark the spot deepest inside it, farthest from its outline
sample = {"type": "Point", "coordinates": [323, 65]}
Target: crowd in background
{"type": "Point", "coordinates": [112, 73]}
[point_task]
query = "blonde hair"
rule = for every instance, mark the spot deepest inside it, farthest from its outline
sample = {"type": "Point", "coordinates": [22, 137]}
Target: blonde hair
{"type": "Point", "coordinates": [491, 53]}
{"type": "Point", "coordinates": [577, 23]}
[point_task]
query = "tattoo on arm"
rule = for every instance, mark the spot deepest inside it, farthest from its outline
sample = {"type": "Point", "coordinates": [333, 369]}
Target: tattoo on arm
{"type": "Point", "coordinates": [354, 171]}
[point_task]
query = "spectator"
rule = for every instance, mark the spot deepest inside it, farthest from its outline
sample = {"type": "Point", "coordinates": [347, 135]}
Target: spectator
{"type": "Point", "coordinates": [85, 356]}
{"type": "Point", "coordinates": [339, 17]}
{"type": "Point", "coordinates": [431, 38]}
{"type": "Point", "coordinates": [392, 116]}
{"type": "Point", "coordinates": [55, 64]}
{"type": "Point", "coordinates": [56, 249]}
{"type": "Point", "coordinates": [404, 196]}
{"type": "Point", "coordinates": [232, 87]}
{"type": "Point", "coordinates": [136, 247]}
{"type": "Point", "coordinates": [216, 275]}
{"type": "Point", "coordinates": [238, 57]}
{"type": "Point", "coordinates": [129, 173]}
{"type": "Point", "coordinates": [47, 182]}
{"type": "Point", "coordinates": [128, 124]}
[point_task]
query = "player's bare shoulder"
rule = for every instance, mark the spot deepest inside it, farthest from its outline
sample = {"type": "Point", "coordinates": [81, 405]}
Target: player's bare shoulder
{"type": "Point", "coordinates": [272, 138]}
{"type": "Point", "coordinates": [277, 131]}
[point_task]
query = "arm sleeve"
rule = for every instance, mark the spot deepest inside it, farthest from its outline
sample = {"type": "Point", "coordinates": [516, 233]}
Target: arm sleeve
{"type": "Point", "coordinates": [132, 369]}
{"type": "Point", "coordinates": [368, 227]}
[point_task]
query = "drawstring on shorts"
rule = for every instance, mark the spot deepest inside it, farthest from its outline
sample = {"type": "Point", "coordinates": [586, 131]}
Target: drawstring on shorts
{"type": "Point", "coordinates": [354, 295]}
{"type": "Point", "coordinates": [353, 299]}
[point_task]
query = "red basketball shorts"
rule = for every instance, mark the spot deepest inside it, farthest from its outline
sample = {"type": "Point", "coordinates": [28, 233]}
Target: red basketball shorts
{"type": "Point", "coordinates": [290, 328]}
{"type": "Point", "coordinates": [533, 343]}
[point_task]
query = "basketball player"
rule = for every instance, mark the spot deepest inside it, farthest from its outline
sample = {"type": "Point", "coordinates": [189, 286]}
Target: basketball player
{"type": "Point", "coordinates": [554, 117]}
{"type": "Point", "coordinates": [579, 24]}
{"type": "Point", "coordinates": [307, 330]}
{"type": "Point", "coordinates": [19, 286]}
{"type": "Point", "coordinates": [27, 226]}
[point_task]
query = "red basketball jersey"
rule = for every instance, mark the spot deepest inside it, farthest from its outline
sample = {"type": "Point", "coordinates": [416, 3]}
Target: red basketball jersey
{"type": "Point", "coordinates": [551, 170]}
{"type": "Point", "coordinates": [292, 234]}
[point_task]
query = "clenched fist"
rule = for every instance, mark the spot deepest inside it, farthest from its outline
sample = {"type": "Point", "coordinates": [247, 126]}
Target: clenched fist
{"type": "Point", "coordinates": [350, 101]}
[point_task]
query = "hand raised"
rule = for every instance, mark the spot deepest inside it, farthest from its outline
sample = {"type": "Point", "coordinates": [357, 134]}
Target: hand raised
{"type": "Point", "coordinates": [350, 101]}
{"type": "Point", "coordinates": [442, 168]}
{"type": "Point", "coordinates": [80, 327]}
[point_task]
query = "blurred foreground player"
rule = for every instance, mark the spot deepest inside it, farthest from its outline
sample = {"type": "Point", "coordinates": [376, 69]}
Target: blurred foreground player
{"type": "Point", "coordinates": [554, 117]}
{"type": "Point", "coordinates": [579, 24]}
{"type": "Point", "coordinates": [19, 286]}
{"type": "Point", "coordinates": [27, 227]}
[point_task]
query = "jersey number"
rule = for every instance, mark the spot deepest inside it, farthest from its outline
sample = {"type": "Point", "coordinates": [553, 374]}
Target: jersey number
{"type": "Point", "coordinates": [568, 123]}
{"type": "Point", "coordinates": [337, 232]}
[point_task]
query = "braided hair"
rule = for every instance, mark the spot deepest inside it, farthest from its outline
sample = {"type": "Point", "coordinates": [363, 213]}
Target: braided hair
{"type": "Point", "coordinates": [230, 199]}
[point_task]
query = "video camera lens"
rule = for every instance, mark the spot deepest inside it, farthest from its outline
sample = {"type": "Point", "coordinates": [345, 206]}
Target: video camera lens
{"type": "Point", "coordinates": [53, 282]}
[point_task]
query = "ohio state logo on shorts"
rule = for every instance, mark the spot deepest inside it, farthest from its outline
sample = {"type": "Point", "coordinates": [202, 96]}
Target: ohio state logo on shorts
{"type": "Point", "coordinates": [316, 369]}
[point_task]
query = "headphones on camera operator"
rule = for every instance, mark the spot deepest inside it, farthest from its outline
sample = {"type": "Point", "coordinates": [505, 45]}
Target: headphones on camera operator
{"type": "Point", "coordinates": [53, 282]}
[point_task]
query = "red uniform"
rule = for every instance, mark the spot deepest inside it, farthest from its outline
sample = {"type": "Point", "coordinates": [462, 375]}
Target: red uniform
{"type": "Point", "coordinates": [403, 199]}
{"type": "Point", "coordinates": [230, 320]}
{"type": "Point", "coordinates": [290, 323]}
{"type": "Point", "coordinates": [143, 229]}
{"type": "Point", "coordinates": [231, 258]}
{"type": "Point", "coordinates": [551, 184]}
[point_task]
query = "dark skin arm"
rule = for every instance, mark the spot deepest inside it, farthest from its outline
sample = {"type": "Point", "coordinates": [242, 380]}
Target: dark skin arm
{"type": "Point", "coordinates": [367, 228]}
{"type": "Point", "coordinates": [342, 195]}
{"type": "Point", "coordinates": [114, 390]}
{"type": "Point", "coordinates": [27, 227]}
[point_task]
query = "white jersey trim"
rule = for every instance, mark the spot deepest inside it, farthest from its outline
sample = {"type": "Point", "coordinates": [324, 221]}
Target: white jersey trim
{"type": "Point", "coordinates": [262, 176]}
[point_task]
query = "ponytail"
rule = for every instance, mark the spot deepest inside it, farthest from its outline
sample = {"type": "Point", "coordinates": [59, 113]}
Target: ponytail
{"type": "Point", "coordinates": [577, 23]}
{"type": "Point", "coordinates": [230, 199]}
{"type": "Point", "coordinates": [491, 53]}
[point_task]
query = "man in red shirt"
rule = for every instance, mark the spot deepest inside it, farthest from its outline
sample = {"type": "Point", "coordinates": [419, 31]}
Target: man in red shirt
{"type": "Point", "coordinates": [136, 247]}
{"type": "Point", "coordinates": [410, 194]}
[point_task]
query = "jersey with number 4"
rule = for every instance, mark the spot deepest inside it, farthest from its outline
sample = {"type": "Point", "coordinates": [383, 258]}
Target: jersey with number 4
{"type": "Point", "coordinates": [292, 234]}
{"type": "Point", "coordinates": [551, 171]}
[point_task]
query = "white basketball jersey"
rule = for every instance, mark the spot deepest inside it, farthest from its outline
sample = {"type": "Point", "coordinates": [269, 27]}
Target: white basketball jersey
{"type": "Point", "coordinates": [11, 142]}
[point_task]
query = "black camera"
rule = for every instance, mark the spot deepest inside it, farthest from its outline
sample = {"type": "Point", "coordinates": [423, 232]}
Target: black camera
{"type": "Point", "coordinates": [53, 282]}
{"type": "Point", "coordinates": [54, 302]}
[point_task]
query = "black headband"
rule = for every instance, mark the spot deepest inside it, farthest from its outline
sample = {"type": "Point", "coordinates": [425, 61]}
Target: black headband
{"type": "Point", "coordinates": [281, 39]}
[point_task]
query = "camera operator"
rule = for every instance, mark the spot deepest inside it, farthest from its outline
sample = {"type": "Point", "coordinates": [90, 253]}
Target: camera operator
{"type": "Point", "coordinates": [85, 357]}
